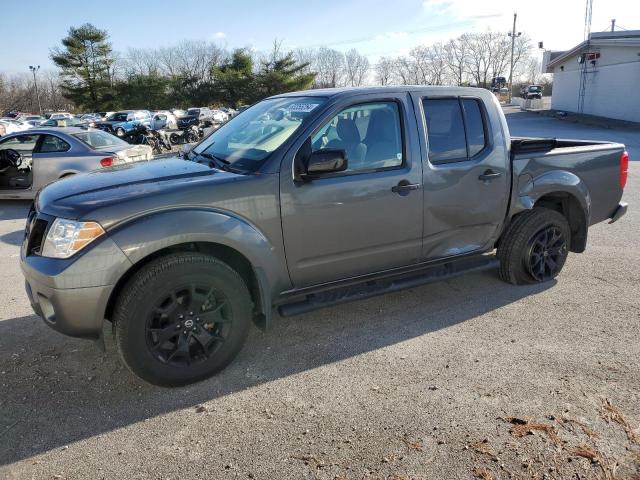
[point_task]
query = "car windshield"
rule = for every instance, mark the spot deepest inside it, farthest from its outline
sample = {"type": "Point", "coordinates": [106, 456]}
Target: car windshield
{"type": "Point", "coordinates": [118, 117]}
{"type": "Point", "coordinates": [247, 139]}
{"type": "Point", "coordinates": [97, 139]}
{"type": "Point", "coordinates": [193, 111]}
{"type": "Point", "coordinates": [535, 89]}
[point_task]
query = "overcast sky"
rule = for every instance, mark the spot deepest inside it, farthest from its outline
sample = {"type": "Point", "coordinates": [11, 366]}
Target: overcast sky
{"type": "Point", "coordinates": [376, 28]}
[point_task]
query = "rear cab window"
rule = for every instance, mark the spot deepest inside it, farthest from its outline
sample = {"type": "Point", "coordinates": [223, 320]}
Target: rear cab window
{"type": "Point", "coordinates": [456, 129]}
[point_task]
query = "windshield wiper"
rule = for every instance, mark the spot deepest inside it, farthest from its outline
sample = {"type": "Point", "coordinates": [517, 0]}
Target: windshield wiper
{"type": "Point", "coordinates": [221, 163]}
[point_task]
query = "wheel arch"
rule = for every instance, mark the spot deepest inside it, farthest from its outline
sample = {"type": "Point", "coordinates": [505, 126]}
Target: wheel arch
{"type": "Point", "coordinates": [569, 206]}
{"type": "Point", "coordinates": [221, 234]}
{"type": "Point", "coordinates": [565, 193]}
{"type": "Point", "coordinates": [253, 277]}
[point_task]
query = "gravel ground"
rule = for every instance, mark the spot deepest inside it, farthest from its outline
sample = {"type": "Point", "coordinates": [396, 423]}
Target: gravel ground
{"type": "Point", "coordinates": [468, 378]}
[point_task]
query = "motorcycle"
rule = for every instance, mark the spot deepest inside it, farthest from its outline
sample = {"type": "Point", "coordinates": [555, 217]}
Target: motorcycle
{"type": "Point", "coordinates": [190, 134]}
{"type": "Point", "coordinates": [143, 135]}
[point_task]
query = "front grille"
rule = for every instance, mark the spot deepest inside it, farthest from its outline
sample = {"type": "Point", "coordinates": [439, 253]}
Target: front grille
{"type": "Point", "coordinates": [37, 232]}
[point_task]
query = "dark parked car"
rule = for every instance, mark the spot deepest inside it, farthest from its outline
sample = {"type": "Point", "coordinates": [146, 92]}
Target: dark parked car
{"type": "Point", "coordinates": [196, 116]}
{"type": "Point", "coordinates": [305, 200]}
{"type": "Point", "coordinates": [531, 91]}
{"type": "Point", "coordinates": [119, 123]}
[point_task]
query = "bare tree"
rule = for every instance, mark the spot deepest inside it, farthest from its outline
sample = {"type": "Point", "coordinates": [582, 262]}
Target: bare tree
{"type": "Point", "coordinates": [532, 70]}
{"type": "Point", "coordinates": [384, 70]}
{"type": "Point", "coordinates": [456, 57]}
{"type": "Point", "coordinates": [141, 61]}
{"type": "Point", "coordinates": [17, 92]}
{"type": "Point", "coordinates": [330, 67]}
{"type": "Point", "coordinates": [189, 58]}
{"type": "Point", "coordinates": [356, 68]}
{"type": "Point", "coordinates": [306, 56]}
{"type": "Point", "coordinates": [405, 71]}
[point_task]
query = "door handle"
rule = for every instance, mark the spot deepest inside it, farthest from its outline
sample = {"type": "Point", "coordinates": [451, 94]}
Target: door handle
{"type": "Point", "coordinates": [404, 187]}
{"type": "Point", "coordinates": [489, 175]}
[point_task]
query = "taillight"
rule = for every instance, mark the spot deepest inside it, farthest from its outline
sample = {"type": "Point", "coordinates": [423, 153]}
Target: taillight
{"type": "Point", "coordinates": [106, 162]}
{"type": "Point", "coordinates": [624, 168]}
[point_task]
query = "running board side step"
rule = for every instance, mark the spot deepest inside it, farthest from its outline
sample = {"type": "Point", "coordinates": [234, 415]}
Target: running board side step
{"type": "Point", "coordinates": [372, 288]}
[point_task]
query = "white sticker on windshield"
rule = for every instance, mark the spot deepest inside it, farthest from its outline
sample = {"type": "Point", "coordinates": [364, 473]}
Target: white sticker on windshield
{"type": "Point", "coordinates": [302, 107]}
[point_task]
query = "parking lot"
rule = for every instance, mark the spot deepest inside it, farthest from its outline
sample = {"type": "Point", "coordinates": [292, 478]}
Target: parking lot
{"type": "Point", "coordinates": [467, 378]}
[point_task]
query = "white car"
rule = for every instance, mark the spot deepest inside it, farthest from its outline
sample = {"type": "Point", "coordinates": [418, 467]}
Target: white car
{"type": "Point", "coordinates": [59, 115]}
{"type": "Point", "coordinates": [12, 126]}
{"type": "Point", "coordinates": [219, 116]}
{"type": "Point", "coordinates": [163, 119]}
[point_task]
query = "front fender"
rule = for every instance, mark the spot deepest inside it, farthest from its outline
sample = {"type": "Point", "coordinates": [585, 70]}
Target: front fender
{"type": "Point", "coordinates": [143, 236]}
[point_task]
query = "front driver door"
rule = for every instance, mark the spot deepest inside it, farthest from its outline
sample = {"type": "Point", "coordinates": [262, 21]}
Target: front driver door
{"type": "Point", "coordinates": [368, 218]}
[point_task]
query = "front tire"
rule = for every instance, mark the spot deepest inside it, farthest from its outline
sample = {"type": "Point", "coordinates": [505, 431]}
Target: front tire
{"type": "Point", "coordinates": [182, 318]}
{"type": "Point", "coordinates": [534, 247]}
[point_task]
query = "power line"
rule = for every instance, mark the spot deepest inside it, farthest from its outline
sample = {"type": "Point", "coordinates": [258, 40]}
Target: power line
{"type": "Point", "coordinates": [381, 36]}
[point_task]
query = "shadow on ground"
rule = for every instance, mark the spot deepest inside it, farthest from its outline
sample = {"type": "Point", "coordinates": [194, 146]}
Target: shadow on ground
{"type": "Point", "coordinates": [13, 238]}
{"type": "Point", "coordinates": [14, 209]}
{"type": "Point", "coordinates": [56, 390]}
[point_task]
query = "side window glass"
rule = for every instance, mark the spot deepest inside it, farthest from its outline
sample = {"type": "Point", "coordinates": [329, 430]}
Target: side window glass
{"type": "Point", "coordinates": [370, 135]}
{"type": "Point", "coordinates": [475, 126]}
{"type": "Point", "coordinates": [53, 144]}
{"type": "Point", "coordinates": [445, 130]}
{"type": "Point", "coordinates": [22, 143]}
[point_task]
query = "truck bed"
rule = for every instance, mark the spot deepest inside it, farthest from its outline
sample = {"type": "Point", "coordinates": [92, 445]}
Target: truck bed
{"type": "Point", "coordinates": [595, 164]}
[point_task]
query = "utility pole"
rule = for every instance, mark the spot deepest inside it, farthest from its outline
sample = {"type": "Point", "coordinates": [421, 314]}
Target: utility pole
{"type": "Point", "coordinates": [513, 36]}
{"type": "Point", "coordinates": [34, 70]}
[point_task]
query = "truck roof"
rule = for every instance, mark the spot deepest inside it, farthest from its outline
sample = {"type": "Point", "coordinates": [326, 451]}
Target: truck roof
{"type": "Point", "coordinates": [346, 91]}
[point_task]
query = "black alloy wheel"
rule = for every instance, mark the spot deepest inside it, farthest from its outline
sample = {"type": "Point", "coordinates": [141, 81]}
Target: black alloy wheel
{"type": "Point", "coordinates": [182, 318]}
{"type": "Point", "coordinates": [534, 246]}
{"type": "Point", "coordinates": [547, 250]}
{"type": "Point", "coordinates": [189, 324]}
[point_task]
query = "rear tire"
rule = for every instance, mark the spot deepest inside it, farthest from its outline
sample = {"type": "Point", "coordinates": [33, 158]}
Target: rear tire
{"type": "Point", "coordinates": [182, 318]}
{"type": "Point", "coordinates": [535, 247]}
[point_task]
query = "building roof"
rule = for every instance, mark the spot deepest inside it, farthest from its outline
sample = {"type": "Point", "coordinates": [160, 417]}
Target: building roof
{"type": "Point", "coordinates": [627, 38]}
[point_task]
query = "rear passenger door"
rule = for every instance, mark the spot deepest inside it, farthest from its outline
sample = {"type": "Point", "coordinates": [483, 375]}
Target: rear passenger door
{"type": "Point", "coordinates": [466, 176]}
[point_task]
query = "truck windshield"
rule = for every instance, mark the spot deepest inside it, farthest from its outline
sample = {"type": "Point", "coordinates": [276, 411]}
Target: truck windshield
{"type": "Point", "coordinates": [247, 139]}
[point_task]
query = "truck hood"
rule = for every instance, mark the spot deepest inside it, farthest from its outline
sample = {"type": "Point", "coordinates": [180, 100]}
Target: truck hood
{"type": "Point", "coordinates": [127, 190]}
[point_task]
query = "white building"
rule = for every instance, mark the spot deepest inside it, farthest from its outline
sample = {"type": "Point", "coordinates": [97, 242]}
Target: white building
{"type": "Point", "coordinates": [608, 66]}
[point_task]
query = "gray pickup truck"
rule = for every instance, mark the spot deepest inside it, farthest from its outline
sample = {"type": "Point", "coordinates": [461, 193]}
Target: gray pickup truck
{"type": "Point", "coordinates": [305, 200]}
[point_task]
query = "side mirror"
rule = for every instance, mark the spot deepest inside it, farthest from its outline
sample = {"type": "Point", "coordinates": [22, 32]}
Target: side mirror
{"type": "Point", "coordinates": [326, 161]}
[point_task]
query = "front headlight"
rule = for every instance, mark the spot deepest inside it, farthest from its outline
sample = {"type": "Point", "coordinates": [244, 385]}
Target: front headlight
{"type": "Point", "coordinates": [67, 237]}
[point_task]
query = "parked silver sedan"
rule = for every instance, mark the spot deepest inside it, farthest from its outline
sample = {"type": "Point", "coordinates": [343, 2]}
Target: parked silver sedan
{"type": "Point", "coordinates": [32, 159]}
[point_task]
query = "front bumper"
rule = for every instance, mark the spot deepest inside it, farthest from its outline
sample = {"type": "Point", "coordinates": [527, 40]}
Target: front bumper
{"type": "Point", "coordinates": [71, 295]}
{"type": "Point", "coordinates": [77, 312]}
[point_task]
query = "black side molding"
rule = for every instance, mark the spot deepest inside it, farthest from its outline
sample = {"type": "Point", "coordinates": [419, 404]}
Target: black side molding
{"type": "Point", "coordinates": [373, 288]}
